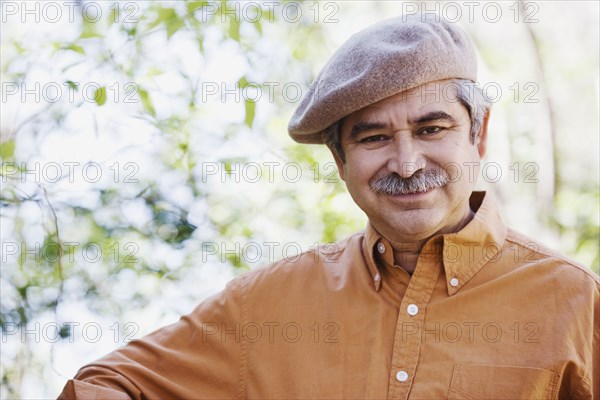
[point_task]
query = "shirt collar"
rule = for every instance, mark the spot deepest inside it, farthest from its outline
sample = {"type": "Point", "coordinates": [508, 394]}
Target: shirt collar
{"type": "Point", "coordinates": [462, 254]}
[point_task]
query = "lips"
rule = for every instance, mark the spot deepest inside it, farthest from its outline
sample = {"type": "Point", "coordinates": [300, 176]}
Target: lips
{"type": "Point", "coordinates": [413, 193]}
{"type": "Point", "coordinates": [417, 191]}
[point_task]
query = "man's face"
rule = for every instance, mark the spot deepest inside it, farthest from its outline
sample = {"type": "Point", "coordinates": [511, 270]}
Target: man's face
{"type": "Point", "coordinates": [422, 132]}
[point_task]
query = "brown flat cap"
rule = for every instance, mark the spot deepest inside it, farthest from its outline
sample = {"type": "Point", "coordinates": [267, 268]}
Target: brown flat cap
{"type": "Point", "coordinates": [387, 58]}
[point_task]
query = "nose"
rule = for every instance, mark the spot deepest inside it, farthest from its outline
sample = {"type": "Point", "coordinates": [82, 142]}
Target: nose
{"type": "Point", "coordinates": [405, 156]}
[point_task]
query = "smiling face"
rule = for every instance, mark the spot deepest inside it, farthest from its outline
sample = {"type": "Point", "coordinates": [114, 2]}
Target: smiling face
{"type": "Point", "coordinates": [421, 136]}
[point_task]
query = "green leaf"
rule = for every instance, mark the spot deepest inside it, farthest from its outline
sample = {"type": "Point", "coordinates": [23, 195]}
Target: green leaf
{"type": "Point", "coordinates": [153, 71]}
{"type": "Point", "coordinates": [100, 96]}
{"type": "Point", "coordinates": [147, 101]}
{"type": "Point", "coordinates": [19, 48]}
{"type": "Point", "coordinates": [72, 85]}
{"type": "Point", "coordinates": [7, 150]}
{"type": "Point", "coordinates": [170, 19]}
{"type": "Point", "coordinates": [250, 110]}
{"type": "Point", "coordinates": [173, 26]}
{"type": "Point", "coordinates": [267, 15]}
{"type": "Point", "coordinates": [89, 30]}
{"type": "Point", "coordinates": [258, 26]}
{"type": "Point", "coordinates": [192, 6]}
{"type": "Point", "coordinates": [51, 248]}
{"type": "Point", "coordinates": [242, 82]}
{"type": "Point", "coordinates": [164, 14]}
{"type": "Point", "coordinates": [75, 47]}
{"type": "Point", "coordinates": [131, 31]}
{"type": "Point", "coordinates": [234, 28]}
{"type": "Point", "coordinates": [227, 165]}
{"type": "Point", "coordinates": [113, 16]}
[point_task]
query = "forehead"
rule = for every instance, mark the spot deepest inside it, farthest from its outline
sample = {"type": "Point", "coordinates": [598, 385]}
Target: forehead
{"type": "Point", "coordinates": [410, 104]}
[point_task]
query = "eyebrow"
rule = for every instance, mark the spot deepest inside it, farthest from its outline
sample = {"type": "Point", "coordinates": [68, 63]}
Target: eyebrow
{"type": "Point", "coordinates": [433, 116]}
{"type": "Point", "coordinates": [364, 127]}
{"type": "Point", "coordinates": [361, 127]}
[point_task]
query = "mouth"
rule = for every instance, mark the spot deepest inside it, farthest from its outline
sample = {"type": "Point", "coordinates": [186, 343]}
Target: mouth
{"type": "Point", "coordinates": [414, 200]}
{"type": "Point", "coordinates": [414, 194]}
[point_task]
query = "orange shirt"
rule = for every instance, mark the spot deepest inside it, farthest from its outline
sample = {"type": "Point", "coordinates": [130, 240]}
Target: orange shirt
{"type": "Point", "coordinates": [488, 313]}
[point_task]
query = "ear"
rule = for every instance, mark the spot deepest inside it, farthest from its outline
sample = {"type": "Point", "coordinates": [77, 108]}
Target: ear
{"type": "Point", "coordinates": [482, 138]}
{"type": "Point", "coordinates": [338, 162]}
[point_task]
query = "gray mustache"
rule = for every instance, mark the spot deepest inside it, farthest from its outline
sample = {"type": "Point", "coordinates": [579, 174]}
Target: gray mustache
{"type": "Point", "coordinates": [420, 181]}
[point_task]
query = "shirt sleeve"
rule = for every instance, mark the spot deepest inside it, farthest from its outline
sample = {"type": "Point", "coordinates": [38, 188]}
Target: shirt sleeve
{"type": "Point", "coordinates": [596, 346]}
{"type": "Point", "coordinates": [198, 357]}
{"type": "Point", "coordinates": [590, 386]}
{"type": "Point", "coordinates": [587, 385]}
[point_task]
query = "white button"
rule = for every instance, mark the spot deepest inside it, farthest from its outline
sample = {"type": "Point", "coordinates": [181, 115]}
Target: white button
{"type": "Point", "coordinates": [377, 277]}
{"type": "Point", "coordinates": [412, 309]}
{"type": "Point", "coordinates": [454, 282]}
{"type": "Point", "coordinates": [402, 376]}
{"type": "Point", "coordinates": [381, 248]}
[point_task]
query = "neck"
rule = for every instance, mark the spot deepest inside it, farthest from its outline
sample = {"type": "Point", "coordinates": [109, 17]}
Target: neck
{"type": "Point", "coordinates": [406, 254]}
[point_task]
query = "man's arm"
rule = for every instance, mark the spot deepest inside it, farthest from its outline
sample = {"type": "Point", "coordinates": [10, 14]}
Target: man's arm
{"type": "Point", "coordinates": [189, 359]}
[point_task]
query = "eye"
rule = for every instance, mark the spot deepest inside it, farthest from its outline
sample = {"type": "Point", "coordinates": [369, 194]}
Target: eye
{"type": "Point", "coordinates": [373, 139]}
{"type": "Point", "coordinates": [431, 130]}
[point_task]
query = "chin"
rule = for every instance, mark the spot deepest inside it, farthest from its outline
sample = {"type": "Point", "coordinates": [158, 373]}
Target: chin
{"type": "Point", "coordinates": [416, 227]}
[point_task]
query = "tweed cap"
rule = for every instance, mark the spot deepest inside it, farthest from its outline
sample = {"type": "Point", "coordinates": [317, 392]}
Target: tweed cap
{"type": "Point", "coordinates": [387, 58]}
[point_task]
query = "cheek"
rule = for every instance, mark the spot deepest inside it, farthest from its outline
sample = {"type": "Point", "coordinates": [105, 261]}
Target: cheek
{"type": "Point", "coordinates": [354, 180]}
{"type": "Point", "coordinates": [358, 175]}
{"type": "Point", "coordinates": [458, 157]}
{"type": "Point", "coordinates": [362, 162]}
{"type": "Point", "coordinates": [357, 178]}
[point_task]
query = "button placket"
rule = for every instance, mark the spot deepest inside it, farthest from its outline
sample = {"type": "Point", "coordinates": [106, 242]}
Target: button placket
{"type": "Point", "coordinates": [412, 309]}
{"type": "Point", "coordinates": [402, 376]}
{"type": "Point", "coordinates": [411, 313]}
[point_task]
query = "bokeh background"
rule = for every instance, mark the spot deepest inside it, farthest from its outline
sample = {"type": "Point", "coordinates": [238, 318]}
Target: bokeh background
{"type": "Point", "coordinates": [146, 162]}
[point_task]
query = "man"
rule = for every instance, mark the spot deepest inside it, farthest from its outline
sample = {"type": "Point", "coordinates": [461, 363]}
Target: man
{"type": "Point", "coordinates": [435, 299]}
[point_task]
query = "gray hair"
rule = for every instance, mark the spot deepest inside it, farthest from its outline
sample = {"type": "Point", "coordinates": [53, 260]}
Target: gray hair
{"type": "Point", "coordinates": [468, 94]}
{"type": "Point", "coordinates": [421, 181]}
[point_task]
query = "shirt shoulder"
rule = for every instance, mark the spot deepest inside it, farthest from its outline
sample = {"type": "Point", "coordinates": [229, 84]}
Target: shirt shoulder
{"type": "Point", "coordinates": [536, 253]}
{"type": "Point", "coordinates": [330, 264]}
